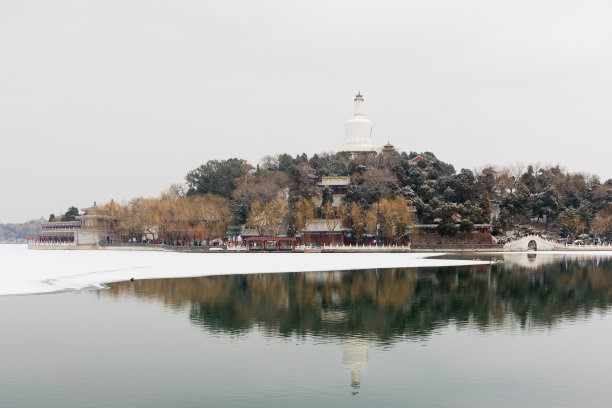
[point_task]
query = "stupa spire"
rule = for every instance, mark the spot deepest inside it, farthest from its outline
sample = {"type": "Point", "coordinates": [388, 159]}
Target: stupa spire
{"type": "Point", "coordinates": [358, 104]}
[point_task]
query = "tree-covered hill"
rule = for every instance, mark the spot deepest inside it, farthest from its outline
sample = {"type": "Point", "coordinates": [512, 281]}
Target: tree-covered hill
{"type": "Point", "coordinates": [387, 194]}
{"type": "Point", "coordinates": [546, 199]}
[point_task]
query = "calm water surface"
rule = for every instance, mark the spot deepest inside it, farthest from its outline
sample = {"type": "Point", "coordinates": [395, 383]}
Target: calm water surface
{"type": "Point", "coordinates": [533, 331]}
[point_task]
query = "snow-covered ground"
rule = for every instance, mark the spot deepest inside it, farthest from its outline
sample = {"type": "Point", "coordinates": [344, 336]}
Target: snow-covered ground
{"type": "Point", "coordinates": [24, 271]}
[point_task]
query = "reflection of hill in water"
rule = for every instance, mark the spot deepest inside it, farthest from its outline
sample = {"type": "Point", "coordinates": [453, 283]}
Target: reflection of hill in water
{"type": "Point", "coordinates": [386, 304]}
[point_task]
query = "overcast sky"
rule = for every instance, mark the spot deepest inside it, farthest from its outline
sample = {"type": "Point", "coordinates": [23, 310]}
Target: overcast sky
{"type": "Point", "coordinates": [118, 99]}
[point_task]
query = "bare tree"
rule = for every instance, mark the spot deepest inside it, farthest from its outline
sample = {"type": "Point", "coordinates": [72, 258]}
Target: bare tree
{"type": "Point", "coordinates": [377, 183]}
{"type": "Point", "coordinates": [332, 221]}
{"type": "Point", "coordinates": [269, 162]}
{"type": "Point", "coordinates": [263, 188]}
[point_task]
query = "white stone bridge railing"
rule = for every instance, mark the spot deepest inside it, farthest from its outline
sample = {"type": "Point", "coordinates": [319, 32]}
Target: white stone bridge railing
{"type": "Point", "coordinates": [50, 245]}
{"type": "Point", "coordinates": [537, 243]}
{"type": "Point", "coordinates": [357, 248]}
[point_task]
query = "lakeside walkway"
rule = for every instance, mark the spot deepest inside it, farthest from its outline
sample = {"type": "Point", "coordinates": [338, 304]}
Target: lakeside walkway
{"type": "Point", "coordinates": [528, 243]}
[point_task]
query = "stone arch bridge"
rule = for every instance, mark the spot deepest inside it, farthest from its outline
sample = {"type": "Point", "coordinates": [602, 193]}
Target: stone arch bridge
{"type": "Point", "coordinates": [531, 242]}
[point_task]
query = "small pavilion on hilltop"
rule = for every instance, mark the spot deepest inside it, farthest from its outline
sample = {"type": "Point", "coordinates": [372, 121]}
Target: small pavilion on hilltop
{"type": "Point", "coordinates": [388, 148]}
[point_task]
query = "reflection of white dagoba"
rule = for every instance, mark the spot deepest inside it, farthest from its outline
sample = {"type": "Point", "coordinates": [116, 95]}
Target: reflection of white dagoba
{"type": "Point", "coordinates": [355, 358]}
{"type": "Point", "coordinates": [358, 132]}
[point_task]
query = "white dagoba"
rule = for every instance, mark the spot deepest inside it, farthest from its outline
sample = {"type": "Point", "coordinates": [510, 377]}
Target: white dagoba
{"type": "Point", "coordinates": [358, 131]}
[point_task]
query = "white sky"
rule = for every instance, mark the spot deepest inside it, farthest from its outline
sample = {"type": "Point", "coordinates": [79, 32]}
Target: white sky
{"type": "Point", "coordinates": [118, 99]}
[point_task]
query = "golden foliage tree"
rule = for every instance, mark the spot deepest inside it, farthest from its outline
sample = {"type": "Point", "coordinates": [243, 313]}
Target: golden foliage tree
{"type": "Point", "coordinates": [333, 217]}
{"type": "Point", "coordinates": [371, 221]}
{"type": "Point", "coordinates": [210, 215]}
{"type": "Point", "coordinates": [173, 217]}
{"type": "Point", "coordinates": [358, 221]}
{"type": "Point", "coordinates": [267, 218]}
{"type": "Point", "coordinates": [602, 223]}
{"type": "Point", "coordinates": [396, 218]}
{"type": "Point", "coordinates": [303, 212]}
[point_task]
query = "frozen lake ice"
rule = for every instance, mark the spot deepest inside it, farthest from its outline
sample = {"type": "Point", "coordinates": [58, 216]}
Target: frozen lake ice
{"type": "Point", "coordinates": [24, 271]}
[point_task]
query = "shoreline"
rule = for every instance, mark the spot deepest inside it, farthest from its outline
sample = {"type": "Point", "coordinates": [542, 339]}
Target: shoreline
{"type": "Point", "coordinates": [354, 250]}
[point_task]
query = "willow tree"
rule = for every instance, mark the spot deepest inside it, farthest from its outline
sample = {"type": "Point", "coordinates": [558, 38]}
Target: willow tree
{"type": "Point", "coordinates": [303, 212]}
{"type": "Point", "coordinates": [152, 217]}
{"type": "Point", "coordinates": [358, 220]}
{"type": "Point", "coordinates": [119, 219]}
{"type": "Point", "coordinates": [210, 215]}
{"type": "Point", "coordinates": [371, 221]}
{"type": "Point", "coordinates": [396, 218]}
{"type": "Point", "coordinates": [267, 218]}
{"type": "Point", "coordinates": [134, 220]}
{"type": "Point", "coordinates": [333, 217]}
{"type": "Point", "coordinates": [140, 214]}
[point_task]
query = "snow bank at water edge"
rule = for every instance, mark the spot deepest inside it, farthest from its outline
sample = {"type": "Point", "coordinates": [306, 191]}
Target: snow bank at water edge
{"type": "Point", "coordinates": [24, 271]}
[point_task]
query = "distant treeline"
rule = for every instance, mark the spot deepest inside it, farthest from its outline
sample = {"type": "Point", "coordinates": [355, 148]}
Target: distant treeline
{"type": "Point", "coordinates": [18, 232]}
{"type": "Point", "coordinates": [529, 198]}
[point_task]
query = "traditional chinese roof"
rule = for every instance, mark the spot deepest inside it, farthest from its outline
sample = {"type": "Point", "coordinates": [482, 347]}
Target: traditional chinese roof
{"type": "Point", "coordinates": [94, 208]}
{"type": "Point", "coordinates": [335, 181]}
{"type": "Point", "coordinates": [250, 232]}
{"type": "Point", "coordinates": [436, 225]}
{"type": "Point", "coordinates": [321, 225]}
{"type": "Point", "coordinates": [388, 148]}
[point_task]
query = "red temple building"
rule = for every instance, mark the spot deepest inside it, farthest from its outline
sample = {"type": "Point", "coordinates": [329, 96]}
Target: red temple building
{"type": "Point", "coordinates": [323, 232]}
{"type": "Point", "coordinates": [337, 184]}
